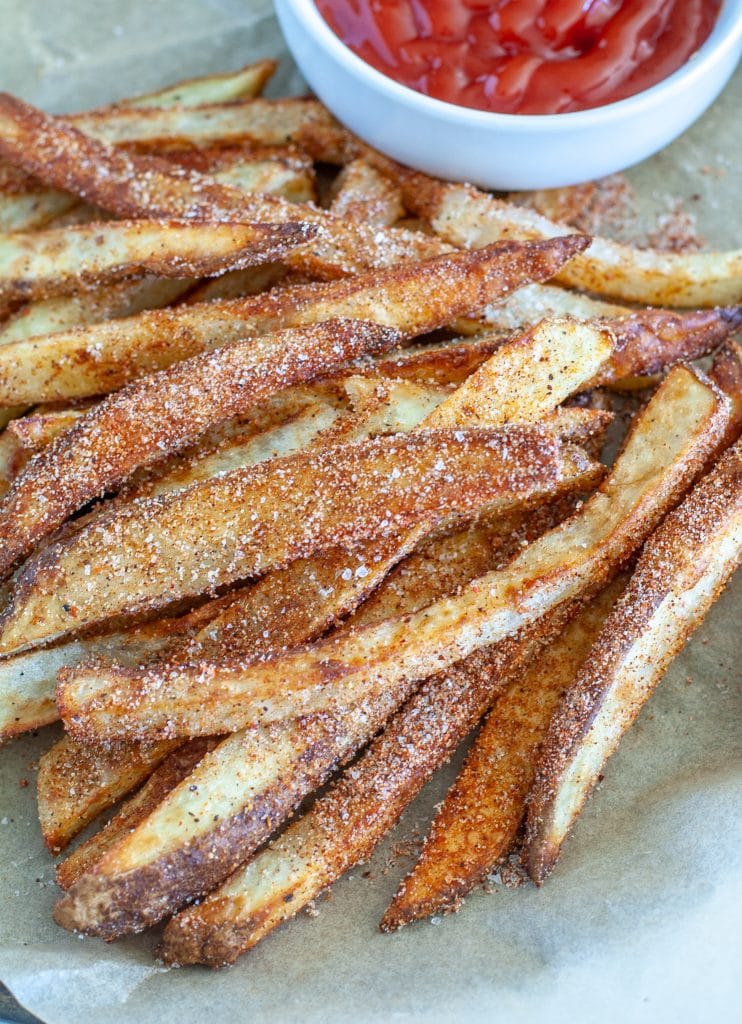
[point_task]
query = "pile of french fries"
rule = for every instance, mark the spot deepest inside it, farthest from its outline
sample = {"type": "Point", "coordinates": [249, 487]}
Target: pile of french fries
{"type": "Point", "coordinates": [300, 483]}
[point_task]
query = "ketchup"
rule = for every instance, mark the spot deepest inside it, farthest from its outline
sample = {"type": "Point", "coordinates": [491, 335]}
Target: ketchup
{"type": "Point", "coordinates": [524, 56]}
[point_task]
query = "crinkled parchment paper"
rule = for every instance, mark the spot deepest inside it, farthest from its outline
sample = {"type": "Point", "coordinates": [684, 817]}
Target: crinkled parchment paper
{"type": "Point", "coordinates": [640, 921]}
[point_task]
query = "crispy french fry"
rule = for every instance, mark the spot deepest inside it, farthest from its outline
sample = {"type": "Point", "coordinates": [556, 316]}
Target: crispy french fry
{"type": "Point", "coordinates": [76, 782]}
{"type": "Point", "coordinates": [527, 377]}
{"type": "Point", "coordinates": [343, 826]}
{"type": "Point", "coordinates": [38, 264]}
{"type": "Point", "coordinates": [195, 92]}
{"type": "Point", "coordinates": [178, 405]}
{"type": "Point", "coordinates": [65, 312]}
{"type": "Point", "coordinates": [467, 217]}
{"type": "Point", "coordinates": [158, 550]}
{"type": "Point", "coordinates": [646, 342]}
{"type": "Point", "coordinates": [478, 821]}
{"type": "Point", "coordinates": [681, 572]}
{"type": "Point", "coordinates": [562, 204]}
{"type": "Point", "coordinates": [365, 196]}
{"type": "Point", "coordinates": [671, 441]}
{"type": "Point", "coordinates": [25, 203]}
{"type": "Point", "coordinates": [413, 298]}
{"type": "Point", "coordinates": [536, 301]}
{"type": "Point", "coordinates": [135, 185]}
{"type": "Point", "coordinates": [263, 122]}
{"type": "Point", "coordinates": [172, 770]}
{"type": "Point", "coordinates": [159, 858]}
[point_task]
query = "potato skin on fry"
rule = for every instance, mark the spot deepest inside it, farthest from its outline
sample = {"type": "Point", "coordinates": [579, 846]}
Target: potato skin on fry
{"type": "Point", "coordinates": [162, 414]}
{"type": "Point", "coordinates": [682, 570]}
{"type": "Point", "coordinates": [478, 821]}
{"type": "Point", "coordinates": [413, 298]}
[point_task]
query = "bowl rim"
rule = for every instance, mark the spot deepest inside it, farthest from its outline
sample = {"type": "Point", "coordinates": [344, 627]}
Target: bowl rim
{"type": "Point", "coordinates": [724, 37]}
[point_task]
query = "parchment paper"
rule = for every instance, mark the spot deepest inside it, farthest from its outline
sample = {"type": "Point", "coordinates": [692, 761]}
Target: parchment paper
{"type": "Point", "coordinates": [640, 921]}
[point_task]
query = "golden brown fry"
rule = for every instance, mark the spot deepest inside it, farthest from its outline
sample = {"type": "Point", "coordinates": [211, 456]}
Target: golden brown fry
{"type": "Point", "coordinates": [164, 413]}
{"type": "Point", "coordinates": [25, 203]}
{"type": "Point", "coordinates": [467, 217]}
{"type": "Point", "coordinates": [646, 342]}
{"type": "Point", "coordinates": [413, 298]}
{"type": "Point", "coordinates": [301, 122]}
{"type": "Point", "coordinates": [175, 767]}
{"type": "Point", "coordinates": [562, 204]}
{"type": "Point", "coordinates": [76, 782]}
{"type": "Point", "coordinates": [156, 551]}
{"type": "Point", "coordinates": [160, 858]}
{"type": "Point", "coordinates": [343, 826]}
{"type": "Point", "coordinates": [135, 185]}
{"type": "Point", "coordinates": [365, 196]}
{"type": "Point", "coordinates": [39, 264]}
{"type": "Point", "coordinates": [670, 443]}
{"type": "Point", "coordinates": [682, 570]}
{"type": "Point", "coordinates": [478, 821]}
{"type": "Point", "coordinates": [195, 92]}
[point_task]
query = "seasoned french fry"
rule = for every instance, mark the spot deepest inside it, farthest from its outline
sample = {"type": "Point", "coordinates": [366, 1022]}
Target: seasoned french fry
{"type": "Point", "coordinates": [38, 264]}
{"type": "Point", "coordinates": [681, 572]}
{"type": "Point", "coordinates": [285, 176]}
{"type": "Point", "coordinates": [343, 826]}
{"type": "Point", "coordinates": [236, 783]}
{"type": "Point", "coordinates": [365, 196]}
{"type": "Point", "coordinates": [646, 342]}
{"type": "Point", "coordinates": [670, 443]}
{"type": "Point", "coordinates": [467, 217]}
{"type": "Point", "coordinates": [178, 405]}
{"type": "Point", "coordinates": [25, 203]}
{"type": "Point", "coordinates": [13, 457]}
{"type": "Point", "coordinates": [478, 821]}
{"type": "Point", "coordinates": [413, 298]}
{"type": "Point", "coordinates": [263, 122]}
{"type": "Point", "coordinates": [175, 767]}
{"type": "Point", "coordinates": [562, 204]}
{"type": "Point", "coordinates": [65, 312]}
{"type": "Point", "coordinates": [195, 92]}
{"type": "Point", "coordinates": [76, 782]}
{"type": "Point", "coordinates": [135, 185]}
{"type": "Point", "coordinates": [154, 551]}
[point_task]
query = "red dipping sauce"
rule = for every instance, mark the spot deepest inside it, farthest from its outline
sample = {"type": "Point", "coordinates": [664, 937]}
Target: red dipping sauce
{"type": "Point", "coordinates": [524, 56]}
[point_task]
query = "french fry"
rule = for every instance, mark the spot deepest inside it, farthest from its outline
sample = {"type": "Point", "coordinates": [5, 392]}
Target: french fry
{"type": "Point", "coordinates": [478, 821]}
{"type": "Point", "coordinates": [365, 196]}
{"type": "Point", "coordinates": [263, 122]}
{"type": "Point", "coordinates": [157, 865]}
{"type": "Point", "coordinates": [669, 445]}
{"type": "Point", "coordinates": [76, 782]}
{"type": "Point", "coordinates": [122, 299]}
{"type": "Point", "coordinates": [13, 457]}
{"type": "Point", "coordinates": [562, 204]}
{"type": "Point", "coordinates": [180, 404]}
{"type": "Point", "coordinates": [135, 185]}
{"type": "Point", "coordinates": [469, 218]}
{"type": "Point", "coordinates": [681, 572]}
{"type": "Point", "coordinates": [414, 298]}
{"type": "Point", "coordinates": [25, 203]}
{"type": "Point", "coordinates": [536, 301]}
{"type": "Point", "coordinates": [154, 551]}
{"type": "Point", "coordinates": [343, 826]}
{"type": "Point", "coordinates": [511, 387]}
{"type": "Point", "coordinates": [646, 342]}
{"type": "Point", "coordinates": [172, 770]}
{"type": "Point", "coordinates": [195, 92]}
{"type": "Point", "coordinates": [285, 176]}
{"type": "Point", "coordinates": [38, 264]}
{"type": "Point", "coordinates": [28, 681]}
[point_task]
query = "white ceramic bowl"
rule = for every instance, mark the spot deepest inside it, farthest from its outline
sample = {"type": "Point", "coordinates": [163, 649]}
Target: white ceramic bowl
{"type": "Point", "coordinates": [506, 151]}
